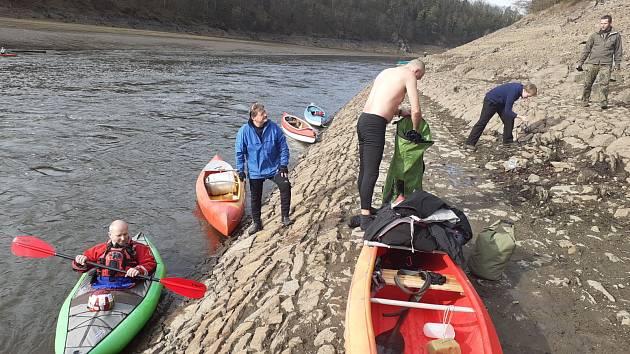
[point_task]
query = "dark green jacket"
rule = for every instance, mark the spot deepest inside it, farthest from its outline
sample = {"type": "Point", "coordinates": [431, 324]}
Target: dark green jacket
{"type": "Point", "coordinates": [602, 49]}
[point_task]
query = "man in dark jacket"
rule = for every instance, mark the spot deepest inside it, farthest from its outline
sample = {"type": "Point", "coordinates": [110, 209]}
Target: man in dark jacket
{"type": "Point", "coordinates": [602, 53]}
{"type": "Point", "coordinates": [262, 144]}
{"type": "Point", "coordinates": [500, 100]}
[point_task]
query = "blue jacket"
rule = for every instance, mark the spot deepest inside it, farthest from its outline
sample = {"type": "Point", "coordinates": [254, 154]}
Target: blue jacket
{"type": "Point", "coordinates": [265, 156]}
{"type": "Point", "coordinates": [504, 96]}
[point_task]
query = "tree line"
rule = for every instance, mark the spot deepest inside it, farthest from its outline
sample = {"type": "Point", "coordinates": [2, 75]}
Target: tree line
{"type": "Point", "coordinates": [446, 22]}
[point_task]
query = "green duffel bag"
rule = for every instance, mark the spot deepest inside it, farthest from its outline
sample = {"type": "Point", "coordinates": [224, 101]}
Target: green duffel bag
{"type": "Point", "coordinates": [493, 249]}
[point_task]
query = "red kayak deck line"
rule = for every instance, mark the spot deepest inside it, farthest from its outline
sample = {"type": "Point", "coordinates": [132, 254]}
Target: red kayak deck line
{"type": "Point", "coordinates": [8, 55]}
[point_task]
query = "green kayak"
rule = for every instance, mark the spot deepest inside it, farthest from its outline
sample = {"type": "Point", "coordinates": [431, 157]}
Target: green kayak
{"type": "Point", "coordinates": [82, 331]}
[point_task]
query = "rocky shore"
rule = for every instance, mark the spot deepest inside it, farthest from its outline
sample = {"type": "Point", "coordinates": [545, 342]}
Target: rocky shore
{"type": "Point", "coordinates": [566, 289]}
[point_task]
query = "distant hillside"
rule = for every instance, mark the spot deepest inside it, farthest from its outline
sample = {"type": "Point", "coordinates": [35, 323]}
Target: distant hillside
{"type": "Point", "coordinates": [440, 22]}
{"type": "Point", "coordinates": [543, 48]}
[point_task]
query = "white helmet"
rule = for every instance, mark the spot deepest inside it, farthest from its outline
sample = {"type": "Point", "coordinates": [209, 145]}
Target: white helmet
{"type": "Point", "coordinates": [101, 300]}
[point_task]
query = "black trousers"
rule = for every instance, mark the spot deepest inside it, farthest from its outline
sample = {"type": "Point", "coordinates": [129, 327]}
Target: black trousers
{"type": "Point", "coordinates": [371, 132]}
{"type": "Point", "coordinates": [487, 112]}
{"type": "Point", "coordinates": [256, 189]}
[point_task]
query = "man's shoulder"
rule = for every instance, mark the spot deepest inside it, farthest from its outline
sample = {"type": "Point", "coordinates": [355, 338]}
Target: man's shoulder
{"type": "Point", "coordinates": [98, 246]}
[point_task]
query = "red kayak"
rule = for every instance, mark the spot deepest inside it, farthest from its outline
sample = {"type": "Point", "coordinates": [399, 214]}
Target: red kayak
{"type": "Point", "coordinates": [8, 55]}
{"type": "Point", "coordinates": [467, 320]}
{"type": "Point", "coordinates": [221, 195]}
{"type": "Point", "coordinates": [297, 128]}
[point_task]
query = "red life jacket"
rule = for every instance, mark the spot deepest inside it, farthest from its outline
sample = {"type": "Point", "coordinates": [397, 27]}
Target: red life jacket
{"type": "Point", "coordinates": [122, 258]}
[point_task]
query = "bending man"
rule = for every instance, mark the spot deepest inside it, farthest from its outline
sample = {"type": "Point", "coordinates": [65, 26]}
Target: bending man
{"type": "Point", "coordinates": [500, 100]}
{"type": "Point", "coordinates": [388, 92]}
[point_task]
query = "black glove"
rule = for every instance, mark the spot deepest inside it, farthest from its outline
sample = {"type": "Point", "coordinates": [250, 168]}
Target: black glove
{"type": "Point", "coordinates": [579, 68]}
{"type": "Point", "coordinates": [283, 169]}
{"type": "Point", "coordinates": [242, 175]}
{"type": "Point", "coordinates": [414, 137]}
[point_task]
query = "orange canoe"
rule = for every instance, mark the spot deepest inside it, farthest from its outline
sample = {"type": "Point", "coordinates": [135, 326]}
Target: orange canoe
{"type": "Point", "coordinates": [473, 327]}
{"type": "Point", "coordinates": [221, 195]}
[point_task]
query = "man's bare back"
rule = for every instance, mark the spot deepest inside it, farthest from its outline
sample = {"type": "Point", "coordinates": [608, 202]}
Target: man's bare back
{"type": "Point", "coordinates": [389, 89]}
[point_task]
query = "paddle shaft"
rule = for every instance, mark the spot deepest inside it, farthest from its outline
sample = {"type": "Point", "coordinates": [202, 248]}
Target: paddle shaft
{"type": "Point", "coordinates": [98, 265]}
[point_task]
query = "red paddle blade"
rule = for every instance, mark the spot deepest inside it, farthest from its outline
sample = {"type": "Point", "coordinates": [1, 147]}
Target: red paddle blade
{"type": "Point", "coordinates": [185, 287]}
{"type": "Point", "coordinates": [31, 246]}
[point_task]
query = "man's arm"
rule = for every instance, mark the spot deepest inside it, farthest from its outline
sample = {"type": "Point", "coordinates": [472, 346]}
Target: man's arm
{"type": "Point", "coordinates": [91, 255]}
{"type": "Point", "coordinates": [587, 50]}
{"type": "Point", "coordinates": [411, 85]}
{"type": "Point", "coordinates": [284, 148]}
{"type": "Point", "coordinates": [146, 261]}
{"type": "Point", "coordinates": [241, 150]}
{"type": "Point", "coordinates": [508, 111]}
{"type": "Point", "coordinates": [618, 53]}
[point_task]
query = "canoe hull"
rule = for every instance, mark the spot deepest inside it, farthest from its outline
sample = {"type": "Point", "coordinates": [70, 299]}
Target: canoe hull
{"type": "Point", "coordinates": [316, 120]}
{"type": "Point", "coordinates": [224, 215]}
{"type": "Point", "coordinates": [82, 331]}
{"type": "Point", "coordinates": [474, 332]}
{"type": "Point", "coordinates": [305, 133]}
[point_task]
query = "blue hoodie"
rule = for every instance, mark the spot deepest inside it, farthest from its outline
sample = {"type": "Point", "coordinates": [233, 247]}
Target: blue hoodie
{"type": "Point", "coordinates": [504, 96]}
{"type": "Point", "coordinates": [264, 155]}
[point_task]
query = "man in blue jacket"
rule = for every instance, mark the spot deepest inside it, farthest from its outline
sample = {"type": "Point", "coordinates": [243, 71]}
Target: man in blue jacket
{"type": "Point", "coordinates": [262, 144]}
{"type": "Point", "coordinates": [500, 100]}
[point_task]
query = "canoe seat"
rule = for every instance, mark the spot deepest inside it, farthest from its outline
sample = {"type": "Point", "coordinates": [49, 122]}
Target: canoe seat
{"type": "Point", "coordinates": [415, 281]}
{"type": "Point", "coordinates": [220, 183]}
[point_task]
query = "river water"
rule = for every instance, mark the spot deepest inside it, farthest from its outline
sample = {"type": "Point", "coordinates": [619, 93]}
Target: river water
{"type": "Point", "coordinates": [90, 136]}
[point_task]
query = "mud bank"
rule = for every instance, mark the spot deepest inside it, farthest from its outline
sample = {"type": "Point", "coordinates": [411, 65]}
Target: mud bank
{"type": "Point", "coordinates": [33, 34]}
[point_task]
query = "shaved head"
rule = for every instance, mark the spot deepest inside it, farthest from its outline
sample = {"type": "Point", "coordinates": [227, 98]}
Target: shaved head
{"type": "Point", "coordinates": [119, 232]}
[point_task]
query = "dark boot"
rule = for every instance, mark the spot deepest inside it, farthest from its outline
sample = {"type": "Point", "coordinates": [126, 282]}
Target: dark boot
{"type": "Point", "coordinates": [256, 226]}
{"type": "Point", "coordinates": [366, 221]}
{"type": "Point", "coordinates": [286, 221]}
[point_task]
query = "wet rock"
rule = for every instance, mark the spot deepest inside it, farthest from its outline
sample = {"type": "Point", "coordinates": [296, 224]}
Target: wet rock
{"type": "Point", "coordinates": [612, 257]}
{"type": "Point", "coordinates": [624, 317]}
{"type": "Point", "coordinates": [326, 349]}
{"type": "Point", "coordinates": [622, 213]}
{"type": "Point", "coordinates": [562, 166]}
{"type": "Point", "coordinates": [309, 296]}
{"type": "Point", "coordinates": [563, 282]}
{"type": "Point", "coordinates": [599, 287]}
{"type": "Point", "coordinates": [533, 178]}
{"type": "Point", "coordinates": [325, 336]}
{"type": "Point", "coordinates": [258, 339]}
{"type": "Point", "coordinates": [290, 288]}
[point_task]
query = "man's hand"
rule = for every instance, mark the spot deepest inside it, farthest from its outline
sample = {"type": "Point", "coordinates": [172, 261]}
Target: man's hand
{"type": "Point", "coordinates": [80, 259]}
{"type": "Point", "coordinates": [132, 272]}
{"type": "Point", "coordinates": [414, 137]}
{"type": "Point", "coordinates": [242, 176]}
{"type": "Point", "coordinates": [404, 112]}
{"type": "Point", "coordinates": [578, 67]}
{"type": "Point", "coordinates": [284, 171]}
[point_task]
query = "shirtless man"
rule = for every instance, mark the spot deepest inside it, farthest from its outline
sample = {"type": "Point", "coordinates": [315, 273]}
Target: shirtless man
{"type": "Point", "coordinates": [388, 92]}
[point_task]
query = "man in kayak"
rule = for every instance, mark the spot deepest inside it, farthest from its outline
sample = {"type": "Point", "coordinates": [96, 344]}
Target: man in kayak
{"type": "Point", "coordinates": [388, 92]}
{"type": "Point", "coordinates": [119, 252]}
{"type": "Point", "coordinates": [2, 50]}
{"type": "Point", "coordinates": [261, 143]}
{"type": "Point", "coordinates": [500, 100]}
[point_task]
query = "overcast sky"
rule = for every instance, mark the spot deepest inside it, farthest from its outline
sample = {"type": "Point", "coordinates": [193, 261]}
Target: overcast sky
{"type": "Point", "coordinates": [500, 2]}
